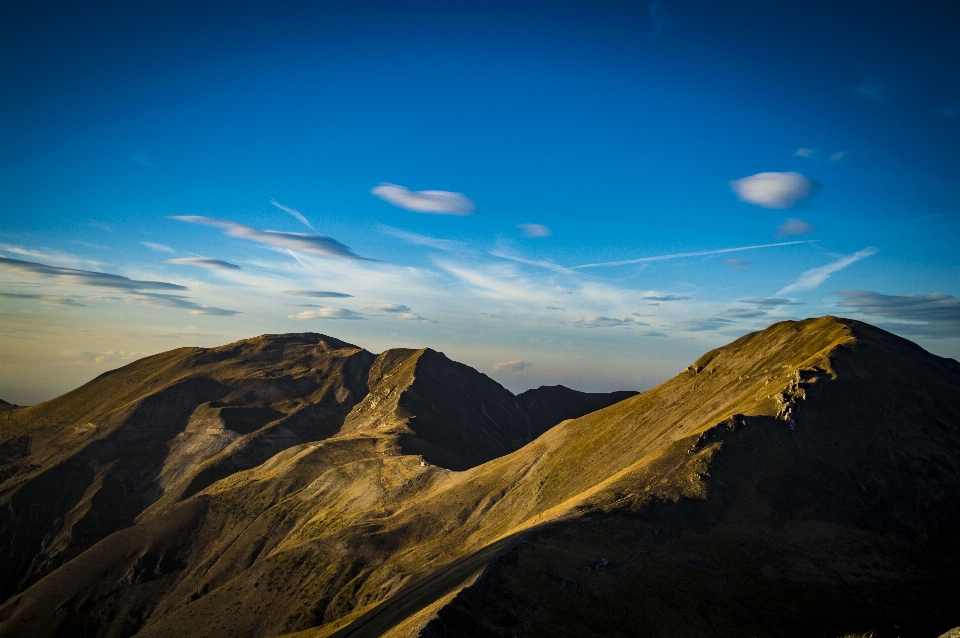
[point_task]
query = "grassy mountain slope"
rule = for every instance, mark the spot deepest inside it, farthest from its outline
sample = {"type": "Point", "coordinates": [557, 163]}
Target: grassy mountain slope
{"type": "Point", "coordinates": [800, 481]}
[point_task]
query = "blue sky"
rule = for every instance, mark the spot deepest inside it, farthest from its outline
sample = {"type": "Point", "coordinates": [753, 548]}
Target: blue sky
{"type": "Point", "coordinates": [548, 192]}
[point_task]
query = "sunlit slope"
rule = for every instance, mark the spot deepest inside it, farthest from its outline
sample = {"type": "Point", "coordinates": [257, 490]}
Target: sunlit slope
{"type": "Point", "coordinates": [85, 464]}
{"type": "Point", "coordinates": [815, 462]}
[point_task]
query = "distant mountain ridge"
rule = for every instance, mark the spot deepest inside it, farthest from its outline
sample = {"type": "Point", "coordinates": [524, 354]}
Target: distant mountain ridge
{"type": "Point", "coordinates": [801, 481]}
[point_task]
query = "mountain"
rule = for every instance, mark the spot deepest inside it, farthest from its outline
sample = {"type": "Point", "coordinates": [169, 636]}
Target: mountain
{"type": "Point", "coordinates": [801, 481]}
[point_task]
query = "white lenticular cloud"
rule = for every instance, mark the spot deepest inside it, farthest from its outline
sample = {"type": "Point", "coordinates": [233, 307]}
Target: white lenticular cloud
{"type": "Point", "coordinates": [431, 202]}
{"type": "Point", "coordinates": [328, 312]}
{"type": "Point", "coordinates": [510, 366]}
{"type": "Point", "coordinates": [772, 190]}
{"type": "Point", "coordinates": [534, 230]}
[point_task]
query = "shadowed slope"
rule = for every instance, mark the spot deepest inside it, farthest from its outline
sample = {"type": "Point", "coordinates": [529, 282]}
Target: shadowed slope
{"type": "Point", "coordinates": [801, 481]}
{"type": "Point", "coordinates": [550, 404]}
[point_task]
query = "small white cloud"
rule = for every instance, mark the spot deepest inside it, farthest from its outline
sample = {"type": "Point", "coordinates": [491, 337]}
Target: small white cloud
{"type": "Point", "coordinates": [816, 276]}
{"type": "Point", "coordinates": [792, 227]}
{"type": "Point", "coordinates": [412, 316]}
{"type": "Point", "coordinates": [805, 152]}
{"type": "Point", "coordinates": [772, 190]}
{"type": "Point", "coordinates": [391, 307]}
{"type": "Point", "coordinates": [160, 248]}
{"type": "Point", "coordinates": [836, 157]}
{"type": "Point", "coordinates": [327, 313]}
{"type": "Point", "coordinates": [737, 264]}
{"type": "Point", "coordinates": [447, 245]}
{"type": "Point", "coordinates": [535, 230]}
{"type": "Point", "coordinates": [141, 158]}
{"type": "Point", "coordinates": [431, 202]}
{"type": "Point", "coordinates": [204, 262]}
{"type": "Point", "coordinates": [517, 365]}
{"type": "Point", "coordinates": [595, 321]}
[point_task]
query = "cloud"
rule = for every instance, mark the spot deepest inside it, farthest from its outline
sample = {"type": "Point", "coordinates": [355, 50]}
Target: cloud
{"type": "Point", "coordinates": [836, 157]}
{"type": "Point", "coordinates": [204, 262]}
{"type": "Point", "coordinates": [652, 333]}
{"type": "Point", "coordinates": [816, 276]}
{"type": "Point", "coordinates": [517, 365]}
{"type": "Point", "coordinates": [391, 307]}
{"type": "Point", "coordinates": [554, 308]}
{"type": "Point", "coordinates": [316, 293]}
{"type": "Point", "coordinates": [311, 244]}
{"type": "Point", "coordinates": [703, 324]}
{"type": "Point", "coordinates": [935, 315]}
{"type": "Point", "coordinates": [664, 298]}
{"type": "Point", "coordinates": [412, 316]}
{"type": "Point", "coordinates": [72, 276]}
{"type": "Point", "coordinates": [594, 321]}
{"type": "Point", "coordinates": [772, 190]}
{"type": "Point", "coordinates": [446, 245]}
{"type": "Point", "coordinates": [805, 152]}
{"type": "Point", "coordinates": [792, 226]}
{"type": "Point", "coordinates": [160, 248]}
{"type": "Point", "coordinates": [327, 313]}
{"type": "Point", "coordinates": [769, 302]}
{"type": "Point", "coordinates": [295, 213]}
{"type": "Point", "coordinates": [743, 313]}
{"type": "Point", "coordinates": [534, 230]}
{"type": "Point", "coordinates": [64, 300]}
{"type": "Point", "coordinates": [432, 202]}
{"type": "Point", "coordinates": [179, 302]}
{"type": "Point", "coordinates": [699, 253]}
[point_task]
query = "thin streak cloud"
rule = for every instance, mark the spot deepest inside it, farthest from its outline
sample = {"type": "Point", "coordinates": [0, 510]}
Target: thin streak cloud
{"type": "Point", "coordinates": [204, 262]}
{"type": "Point", "coordinates": [816, 276]}
{"type": "Point", "coordinates": [295, 213]}
{"type": "Point", "coordinates": [316, 293]}
{"type": "Point", "coordinates": [446, 245]}
{"type": "Point", "coordinates": [312, 244]}
{"type": "Point", "coordinates": [701, 253]}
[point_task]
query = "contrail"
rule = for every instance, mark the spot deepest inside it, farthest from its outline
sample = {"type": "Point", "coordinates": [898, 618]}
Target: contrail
{"type": "Point", "coordinates": [295, 213]}
{"type": "Point", "coordinates": [696, 254]}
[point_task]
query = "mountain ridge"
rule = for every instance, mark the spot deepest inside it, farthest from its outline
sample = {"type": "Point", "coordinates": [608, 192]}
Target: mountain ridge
{"type": "Point", "coordinates": [815, 461]}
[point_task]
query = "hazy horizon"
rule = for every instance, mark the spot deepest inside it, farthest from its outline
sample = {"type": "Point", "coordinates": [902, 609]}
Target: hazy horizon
{"type": "Point", "coordinates": [586, 194]}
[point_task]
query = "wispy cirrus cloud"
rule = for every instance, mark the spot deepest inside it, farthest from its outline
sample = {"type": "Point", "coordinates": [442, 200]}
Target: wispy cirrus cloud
{"type": "Point", "coordinates": [430, 201]}
{"type": "Point", "coordinates": [699, 253]}
{"type": "Point", "coordinates": [327, 313]}
{"type": "Point", "coordinates": [317, 293]}
{"type": "Point", "coordinates": [769, 302]}
{"type": "Point", "coordinates": [204, 262]}
{"type": "Point", "coordinates": [303, 242]}
{"type": "Point", "coordinates": [160, 248]}
{"type": "Point", "coordinates": [517, 365]}
{"type": "Point", "coordinates": [63, 300]}
{"type": "Point", "coordinates": [446, 245]}
{"type": "Point", "coordinates": [295, 214]}
{"type": "Point", "coordinates": [743, 313]}
{"type": "Point", "coordinates": [534, 230]}
{"type": "Point", "coordinates": [816, 276]}
{"type": "Point", "coordinates": [76, 277]}
{"type": "Point", "coordinates": [771, 189]}
{"type": "Point", "coordinates": [792, 227]}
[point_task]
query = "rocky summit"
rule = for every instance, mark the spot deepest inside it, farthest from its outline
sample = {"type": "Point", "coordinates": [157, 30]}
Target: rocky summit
{"type": "Point", "coordinates": [801, 481]}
